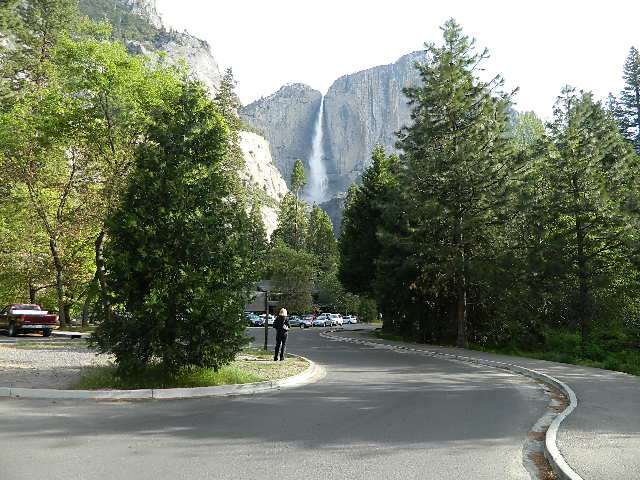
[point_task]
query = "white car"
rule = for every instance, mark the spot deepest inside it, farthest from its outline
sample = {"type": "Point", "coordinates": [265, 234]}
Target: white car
{"type": "Point", "coordinates": [350, 319]}
{"type": "Point", "coordinates": [270, 320]}
{"type": "Point", "coordinates": [322, 320]}
{"type": "Point", "coordinates": [336, 319]}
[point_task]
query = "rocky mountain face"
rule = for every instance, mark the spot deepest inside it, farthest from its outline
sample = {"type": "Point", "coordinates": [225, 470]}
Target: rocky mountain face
{"type": "Point", "coordinates": [360, 111]}
{"type": "Point", "coordinates": [261, 174]}
{"type": "Point", "coordinates": [287, 119]}
{"type": "Point", "coordinates": [137, 24]}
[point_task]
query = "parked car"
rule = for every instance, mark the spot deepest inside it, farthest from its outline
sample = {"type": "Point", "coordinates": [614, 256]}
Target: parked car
{"type": "Point", "coordinates": [255, 320]}
{"type": "Point", "coordinates": [21, 317]}
{"type": "Point", "coordinates": [350, 319]}
{"type": "Point", "coordinates": [270, 319]}
{"type": "Point", "coordinates": [336, 319]}
{"type": "Point", "coordinates": [322, 320]}
{"type": "Point", "coordinates": [296, 321]}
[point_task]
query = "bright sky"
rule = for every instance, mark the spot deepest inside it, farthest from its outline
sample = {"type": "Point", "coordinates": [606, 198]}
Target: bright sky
{"type": "Point", "coordinates": [538, 46]}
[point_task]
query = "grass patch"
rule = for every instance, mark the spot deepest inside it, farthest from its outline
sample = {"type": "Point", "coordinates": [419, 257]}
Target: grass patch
{"type": "Point", "coordinates": [624, 361]}
{"type": "Point", "coordinates": [250, 366]}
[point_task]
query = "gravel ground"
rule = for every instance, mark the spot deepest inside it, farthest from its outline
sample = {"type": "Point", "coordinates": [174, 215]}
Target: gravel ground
{"type": "Point", "coordinates": [45, 365]}
{"type": "Point", "coordinates": [58, 365]}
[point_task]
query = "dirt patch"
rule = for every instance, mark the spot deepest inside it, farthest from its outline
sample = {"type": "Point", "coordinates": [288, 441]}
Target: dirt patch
{"type": "Point", "coordinates": [543, 466]}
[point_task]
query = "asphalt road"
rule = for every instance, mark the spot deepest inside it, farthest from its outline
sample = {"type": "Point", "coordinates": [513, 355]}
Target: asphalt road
{"type": "Point", "coordinates": [376, 414]}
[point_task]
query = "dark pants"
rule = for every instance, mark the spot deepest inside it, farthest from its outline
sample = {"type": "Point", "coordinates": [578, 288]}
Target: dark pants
{"type": "Point", "coordinates": [281, 341]}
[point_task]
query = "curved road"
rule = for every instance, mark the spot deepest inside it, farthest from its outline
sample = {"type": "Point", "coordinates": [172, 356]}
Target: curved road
{"type": "Point", "coordinates": [377, 414]}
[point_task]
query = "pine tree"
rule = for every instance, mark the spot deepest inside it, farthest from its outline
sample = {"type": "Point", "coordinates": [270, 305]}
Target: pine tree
{"type": "Point", "coordinates": [628, 111]}
{"type": "Point", "coordinates": [359, 244]}
{"type": "Point", "coordinates": [321, 242]}
{"type": "Point", "coordinates": [292, 222]}
{"type": "Point", "coordinates": [589, 180]}
{"type": "Point", "coordinates": [456, 163]}
{"type": "Point", "coordinates": [298, 178]}
{"type": "Point", "coordinates": [179, 260]}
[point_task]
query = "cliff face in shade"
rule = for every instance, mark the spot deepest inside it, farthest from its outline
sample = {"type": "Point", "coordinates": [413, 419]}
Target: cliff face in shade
{"type": "Point", "coordinates": [364, 109]}
{"type": "Point", "coordinates": [287, 119]}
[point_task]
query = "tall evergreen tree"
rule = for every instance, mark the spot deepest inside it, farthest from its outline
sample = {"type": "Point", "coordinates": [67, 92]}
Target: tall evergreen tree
{"type": "Point", "coordinates": [589, 180]}
{"type": "Point", "coordinates": [179, 261]}
{"type": "Point", "coordinates": [628, 106]}
{"type": "Point", "coordinates": [321, 242]}
{"type": "Point", "coordinates": [359, 244]}
{"type": "Point", "coordinates": [292, 222]}
{"type": "Point", "coordinates": [456, 162]}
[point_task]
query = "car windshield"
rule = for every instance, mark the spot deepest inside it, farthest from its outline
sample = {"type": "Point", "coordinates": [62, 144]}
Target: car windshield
{"type": "Point", "coordinates": [26, 307]}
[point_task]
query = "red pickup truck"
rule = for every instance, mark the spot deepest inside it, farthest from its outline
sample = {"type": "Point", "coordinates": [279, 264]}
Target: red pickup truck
{"type": "Point", "coordinates": [23, 317]}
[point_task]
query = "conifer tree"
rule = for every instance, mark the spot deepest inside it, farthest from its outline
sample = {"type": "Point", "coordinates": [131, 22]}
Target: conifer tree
{"type": "Point", "coordinates": [589, 180]}
{"type": "Point", "coordinates": [180, 261]}
{"type": "Point", "coordinates": [321, 242]}
{"type": "Point", "coordinates": [359, 243]}
{"type": "Point", "coordinates": [628, 106]}
{"type": "Point", "coordinates": [456, 163]}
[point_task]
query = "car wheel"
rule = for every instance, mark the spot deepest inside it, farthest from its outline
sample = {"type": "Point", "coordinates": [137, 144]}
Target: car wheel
{"type": "Point", "coordinates": [13, 331]}
{"type": "Point", "coordinates": [46, 332]}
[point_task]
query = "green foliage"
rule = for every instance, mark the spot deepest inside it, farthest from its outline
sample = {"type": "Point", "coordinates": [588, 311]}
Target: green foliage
{"type": "Point", "coordinates": [179, 262]}
{"type": "Point", "coordinates": [292, 273]}
{"type": "Point", "coordinates": [456, 166]}
{"type": "Point", "coordinates": [321, 242]}
{"type": "Point", "coordinates": [297, 177]}
{"type": "Point", "coordinates": [496, 228]}
{"type": "Point", "coordinates": [627, 108]}
{"type": "Point", "coordinates": [367, 310]}
{"type": "Point", "coordinates": [292, 222]}
{"type": "Point", "coordinates": [359, 244]}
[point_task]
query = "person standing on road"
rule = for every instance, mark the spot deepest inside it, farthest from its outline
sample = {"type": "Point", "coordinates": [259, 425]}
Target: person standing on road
{"type": "Point", "coordinates": [281, 324]}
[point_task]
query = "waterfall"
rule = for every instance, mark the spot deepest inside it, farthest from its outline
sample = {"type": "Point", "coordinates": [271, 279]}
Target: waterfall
{"type": "Point", "coordinates": [317, 178]}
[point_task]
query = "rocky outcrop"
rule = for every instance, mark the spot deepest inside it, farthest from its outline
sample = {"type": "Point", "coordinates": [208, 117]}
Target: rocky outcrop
{"type": "Point", "coordinates": [179, 47]}
{"type": "Point", "coordinates": [147, 10]}
{"type": "Point", "coordinates": [287, 119]}
{"type": "Point", "coordinates": [262, 177]}
{"type": "Point", "coordinates": [364, 109]}
{"type": "Point", "coordinates": [138, 25]}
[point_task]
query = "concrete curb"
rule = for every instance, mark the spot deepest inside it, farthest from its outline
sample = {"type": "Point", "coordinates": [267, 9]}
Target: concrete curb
{"type": "Point", "coordinates": [312, 373]}
{"type": "Point", "coordinates": [551, 451]}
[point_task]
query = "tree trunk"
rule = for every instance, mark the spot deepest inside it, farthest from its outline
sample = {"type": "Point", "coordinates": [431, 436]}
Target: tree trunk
{"type": "Point", "coordinates": [583, 309]}
{"type": "Point", "coordinates": [104, 294]}
{"type": "Point", "coordinates": [59, 284]}
{"type": "Point", "coordinates": [32, 293]}
{"type": "Point", "coordinates": [461, 289]}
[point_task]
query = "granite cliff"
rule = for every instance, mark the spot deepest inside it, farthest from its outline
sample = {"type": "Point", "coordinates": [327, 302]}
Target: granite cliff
{"type": "Point", "coordinates": [360, 110]}
{"type": "Point", "coordinates": [364, 109]}
{"type": "Point", "coordinates": [287, 119]}
{"type": "Point", "coordinates": [137, 24]}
